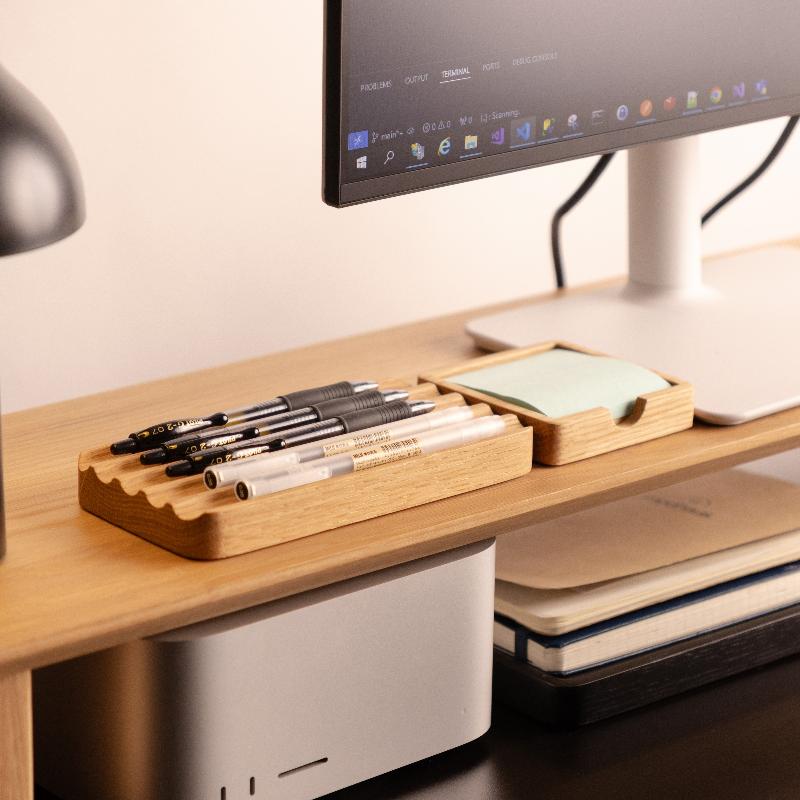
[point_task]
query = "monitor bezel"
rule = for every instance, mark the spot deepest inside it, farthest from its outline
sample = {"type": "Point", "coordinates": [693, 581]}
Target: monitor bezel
{"type": "Point", "coordinates": [340, 195]}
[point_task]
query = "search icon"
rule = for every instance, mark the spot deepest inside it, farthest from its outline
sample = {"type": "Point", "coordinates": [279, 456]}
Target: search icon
{"type": "Point", "coordinates": [389, 157]}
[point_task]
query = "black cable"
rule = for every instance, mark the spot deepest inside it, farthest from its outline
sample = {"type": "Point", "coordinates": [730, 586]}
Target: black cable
{"type": "Point", "coordinates": [753, 177]}
{"type": "Point", "coordinates": [600, 167]}
{"type": "Point", "coordinates": [581, 192]}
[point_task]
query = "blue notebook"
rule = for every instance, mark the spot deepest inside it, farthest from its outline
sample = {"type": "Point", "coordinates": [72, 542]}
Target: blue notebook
{"type": "Point", "coordinates": [654, 626]}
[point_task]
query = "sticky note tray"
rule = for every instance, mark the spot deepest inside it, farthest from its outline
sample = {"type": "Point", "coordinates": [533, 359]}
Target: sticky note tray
{"type": "Point", "coordinates": [564, 440]}
{"type": "Point", "coordinates": [181, 515]}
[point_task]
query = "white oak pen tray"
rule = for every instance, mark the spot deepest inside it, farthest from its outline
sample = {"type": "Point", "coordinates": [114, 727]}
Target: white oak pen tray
{"type": "Point", "coordinates": [182, 516]}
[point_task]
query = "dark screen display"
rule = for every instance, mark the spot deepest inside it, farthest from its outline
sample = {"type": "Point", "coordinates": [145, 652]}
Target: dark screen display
{"type": "Point", "coordinates": [430, 84]}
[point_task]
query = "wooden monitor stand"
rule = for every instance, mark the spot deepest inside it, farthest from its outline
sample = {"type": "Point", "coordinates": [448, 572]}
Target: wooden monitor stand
{"type": "Point", "coordinates": [72, 584]}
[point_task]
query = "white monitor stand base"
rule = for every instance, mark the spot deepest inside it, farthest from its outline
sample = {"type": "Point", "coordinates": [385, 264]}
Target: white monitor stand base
{"type": "Point", "coordinates": [732, 329]}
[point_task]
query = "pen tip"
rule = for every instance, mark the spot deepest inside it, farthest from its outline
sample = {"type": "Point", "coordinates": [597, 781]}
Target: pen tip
{"type": "Point", "coordinates": [392, 395]}
{"type": "Point", "coordinates": [124, 447]}
{"type": "Point", "coordinates": [422, 406]}
{"type": "Point", "coordinates": [363, 386]}
{"type": "Point", "coordinates": [153, 457]}
{"type": "Point", "coordinates": [180, 469]}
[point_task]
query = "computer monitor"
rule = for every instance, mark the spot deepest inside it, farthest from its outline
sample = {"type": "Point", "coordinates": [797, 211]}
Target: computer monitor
{"type": "Point", "coordinates": [421, 94]}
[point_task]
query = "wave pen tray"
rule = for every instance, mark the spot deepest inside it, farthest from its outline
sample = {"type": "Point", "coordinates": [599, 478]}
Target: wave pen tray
{"type": "Point", "coordinates": [185, 518]}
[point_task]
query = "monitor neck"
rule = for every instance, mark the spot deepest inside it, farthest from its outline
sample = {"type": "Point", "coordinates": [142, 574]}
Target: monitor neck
{"type": "Point", "coordinates": [664, 219]}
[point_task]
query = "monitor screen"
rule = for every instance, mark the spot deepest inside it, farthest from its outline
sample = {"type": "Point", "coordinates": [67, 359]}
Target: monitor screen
{"type": "Point", "coordinates": [421, 94]}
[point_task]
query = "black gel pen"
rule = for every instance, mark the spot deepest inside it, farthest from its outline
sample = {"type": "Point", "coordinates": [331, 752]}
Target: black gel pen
{"type": "Point", "coordinates": [346, 423]}
{"type": "Point", "coordinates": [185, 446]}
{"type": "Point", "coordinates": [156, 435]}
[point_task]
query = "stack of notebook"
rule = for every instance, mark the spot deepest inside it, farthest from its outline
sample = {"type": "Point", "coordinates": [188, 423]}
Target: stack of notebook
{"type": "Point", "coordinates": [649, 584]}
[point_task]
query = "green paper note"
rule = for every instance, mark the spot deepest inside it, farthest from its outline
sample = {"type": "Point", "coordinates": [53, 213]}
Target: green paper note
{"type": "Point", "coordinates": [560, 382]}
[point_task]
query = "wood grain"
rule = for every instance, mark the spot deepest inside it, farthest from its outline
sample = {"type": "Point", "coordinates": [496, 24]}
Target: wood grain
{"type": "Point", "coordinates": [588, 433]}
{"type": "Point", "coordinates": [72, 584]}
{"type": "Point", "coordinates": [16, 737]}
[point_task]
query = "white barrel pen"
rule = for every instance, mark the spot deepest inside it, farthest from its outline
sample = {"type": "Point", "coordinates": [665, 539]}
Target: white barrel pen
{"type": "Point", "coordinates": [411, 447]}
{"type": "Point", "coordinates": [221, 475]}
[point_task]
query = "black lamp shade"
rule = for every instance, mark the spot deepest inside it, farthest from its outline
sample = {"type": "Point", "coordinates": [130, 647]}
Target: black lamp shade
{"type": "Point", "coordinates": [41, 195]}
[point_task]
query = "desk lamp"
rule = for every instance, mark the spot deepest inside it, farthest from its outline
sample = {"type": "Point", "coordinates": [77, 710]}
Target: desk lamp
{"type": "Point", "coordinates": [41, 196]}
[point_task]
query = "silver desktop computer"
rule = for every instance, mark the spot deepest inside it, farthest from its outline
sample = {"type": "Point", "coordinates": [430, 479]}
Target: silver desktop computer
{"type": "Point", "coordinates": [421, 94]}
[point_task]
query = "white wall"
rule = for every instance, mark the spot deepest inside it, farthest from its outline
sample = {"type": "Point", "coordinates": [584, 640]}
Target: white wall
{"type": "Point", "coordinates": [197, 127]}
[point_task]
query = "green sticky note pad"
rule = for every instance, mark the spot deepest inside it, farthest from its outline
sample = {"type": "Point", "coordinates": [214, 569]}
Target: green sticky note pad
{"type": "Point", "coordinates": [560, 382]}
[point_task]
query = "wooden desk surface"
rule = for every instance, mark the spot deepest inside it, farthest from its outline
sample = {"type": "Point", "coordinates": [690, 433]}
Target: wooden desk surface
{"type": "Point", "coordinates": [72, 584]}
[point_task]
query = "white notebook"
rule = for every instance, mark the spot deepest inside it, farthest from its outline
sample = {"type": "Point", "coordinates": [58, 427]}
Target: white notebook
{"type": "Point", "coordinates": [552, 612]}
